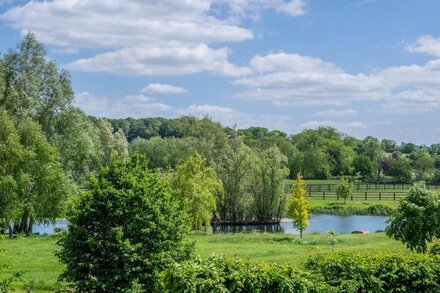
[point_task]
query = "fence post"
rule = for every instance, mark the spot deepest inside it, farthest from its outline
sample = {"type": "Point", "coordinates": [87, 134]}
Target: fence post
{"type": "Point", "coordinates": [365, 195]}
{"type": "Point", "coordinates": [380, 195]}
{"type": "Point", "coordinates": [352, 196]}
{"type": "Point", "coordinates": [323, 195]}
{"type": "Point", "coordinates": [394, 196]}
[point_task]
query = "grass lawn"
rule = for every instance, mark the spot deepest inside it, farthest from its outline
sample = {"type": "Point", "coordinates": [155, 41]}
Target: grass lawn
{"type": "Point", "coordinates": [36, 257]}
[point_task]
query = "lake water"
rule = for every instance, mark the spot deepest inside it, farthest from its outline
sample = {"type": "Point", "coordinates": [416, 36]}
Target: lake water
{"type": "Point", "coordinates": [317, 223]}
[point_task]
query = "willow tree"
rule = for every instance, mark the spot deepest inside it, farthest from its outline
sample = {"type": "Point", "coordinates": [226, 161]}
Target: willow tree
{"type": "Point", "coordinates": [197, 183]}
{"type": "Point", "coordinates": [33, 187]}
{"type": "Point", "coordinates": [269, 196]}
{"type": "Point", "coordinates": [298, 206]}
{"type": "Point", "coordinates": [235, 169]}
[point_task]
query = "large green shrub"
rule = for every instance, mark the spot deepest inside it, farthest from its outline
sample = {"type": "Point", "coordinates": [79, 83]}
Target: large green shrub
{"type": "Point", "coordinates": [383, 273]}
{"type": "Point", "coordinates": [220, 274]}
{"type": "Point", "coordinates": [125, 230]}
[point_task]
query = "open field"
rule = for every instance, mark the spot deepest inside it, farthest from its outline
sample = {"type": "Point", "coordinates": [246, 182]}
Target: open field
{"type": "Point", "coordinates": [36, 257]}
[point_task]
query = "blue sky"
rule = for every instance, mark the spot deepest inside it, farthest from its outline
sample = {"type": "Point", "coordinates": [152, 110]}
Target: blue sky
{"type": "Point", "coordinates": [366, 67]}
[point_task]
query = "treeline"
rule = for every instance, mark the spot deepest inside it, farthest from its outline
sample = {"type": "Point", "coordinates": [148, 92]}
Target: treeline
{"type": "Point", "coordinates": [317, 154]}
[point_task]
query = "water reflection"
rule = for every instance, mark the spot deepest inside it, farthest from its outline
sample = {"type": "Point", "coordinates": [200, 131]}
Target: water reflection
{"type": "Point", "coordinates": [318, 223]}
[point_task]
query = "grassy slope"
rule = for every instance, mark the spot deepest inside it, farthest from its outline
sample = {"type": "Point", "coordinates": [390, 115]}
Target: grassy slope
{"type": "Point", "coordinates": [36, 255]}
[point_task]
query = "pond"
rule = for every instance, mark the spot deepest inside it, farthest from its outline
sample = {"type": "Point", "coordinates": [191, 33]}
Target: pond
{"type": "Point", "coordinates": [318, 223]}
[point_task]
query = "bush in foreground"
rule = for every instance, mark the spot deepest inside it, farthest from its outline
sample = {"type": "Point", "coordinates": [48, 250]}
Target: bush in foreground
{"type": "Point", "coordinates": [336, 273]}
{"type": "Point", "coordinates": [125, 230]}
{"type": "Point", "coordinates": [220, 274]}
{"type": "Point", "coordinates": [383, 273]}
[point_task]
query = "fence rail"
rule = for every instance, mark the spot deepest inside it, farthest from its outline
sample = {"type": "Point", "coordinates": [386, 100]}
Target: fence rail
{"type": "Point", "coordinates": [386, 196]}
{"type": "Point", "coordinates": [364, 191]}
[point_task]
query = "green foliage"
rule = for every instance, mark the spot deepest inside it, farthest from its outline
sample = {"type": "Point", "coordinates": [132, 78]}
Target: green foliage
{"type": "Point", "coordinates": [197, 185]}
{"type": "Point", "coordinates": [298, 206]}
{"type": "Point", "coordinates": [417, 219]}
{"type": "Point", "coordinates": [6, 282]}
{"type": "Point", "coordinates": [163, 153]}
{"type": "Point", "coordinates": [32, 185]}
{"type": "Point", "coordinates": [125, 230]}
{"type": "Point", "coordinates": [344, 189]}
{"type": "Point", "coordinates": [386, 273]}
{"type": "Point", "coordinates": [220, 274]}
{"type": "Point", "coordinates": [400, 170]}
{"type": "Point", "coordinates": [345, 210]}
{"type": "Point", "coordinates": [364, 166]}
{"type": "Point", "coordinates": [268, 185]}
{"type": "Point", "coordinates": [236, 168]}
{"type": "Point", "coordinates": [335, 273]}
{"type": "Point", "coordinates": [435, 248]}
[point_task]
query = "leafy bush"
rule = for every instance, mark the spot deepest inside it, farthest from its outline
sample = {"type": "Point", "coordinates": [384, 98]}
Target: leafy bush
{"type": "Point", "coordinates": [336, 273]}
{"type": "Point", "coordinates": [435, 248]}
{"type": "Point", "coordinates": [219, 274]}
{"type": "Point", "coordinates": [385, 273]}
{"type": "Point", "coordinates": [126, 229]}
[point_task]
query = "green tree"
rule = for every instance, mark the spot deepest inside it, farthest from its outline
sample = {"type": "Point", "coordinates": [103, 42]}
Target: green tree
{"type": "Point", "coordinates": [110, 141]}
{"type": "Point", "coordinates": [126, 229]}
{"type": "Point", "coordinates": [11, 156]}
{"type": "Point", "coordinates": [416, 221]}
{"type": "Point", "coordinates": [235, 170]}
{"type": "Point", "coordinates": [164, 153]}
{"type": "Point", "coordinates": [372, 148]}
{"type": "Point", "coordinates": [344, 189]}
{"type": "Point", "coordinates": [33, 187]}
{"type": "Point", "coordinates": [196, 183]}
{"type": "Point", "coordinates": [364, 166]}
{"type": "Point", "coordinates": [423, 164]}
{"type": "Point", "coordinates": [316, 163]}
{"type": "Point", "coordinates": [400, 170]}
{"type": "Point", "coordinates": [298, 208]}
{"type": "Point", "coordinates": [269, 195]}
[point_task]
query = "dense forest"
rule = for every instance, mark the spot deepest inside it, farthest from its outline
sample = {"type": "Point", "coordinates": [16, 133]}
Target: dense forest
{"type": "Point", "coordinates": [50, 147]}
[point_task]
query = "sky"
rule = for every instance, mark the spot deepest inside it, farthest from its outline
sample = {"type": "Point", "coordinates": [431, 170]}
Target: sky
{"type": "Point", "coordinates": [365, 67]}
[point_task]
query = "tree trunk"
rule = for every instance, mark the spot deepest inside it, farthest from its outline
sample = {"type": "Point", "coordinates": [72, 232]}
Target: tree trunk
{"type": "Point", "coordinates": [301, 233]}
{"type": "Point", "coordinates": [11, 231]}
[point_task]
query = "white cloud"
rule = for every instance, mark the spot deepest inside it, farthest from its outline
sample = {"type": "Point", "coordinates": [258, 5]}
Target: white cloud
{"type": "Point", "coordinates": [426, 44]}
{"type": "Point", "coordinates": [136, 106]}
{"type": "Point", "coordinates": [231, 117]}
{"type": "Point", "coordinates": [132, 33]}
{"type": "Point", "coordinates": [158, 88]}
{"type": "Point", "coordinates": [339, 125]}
{"type": "Point", "coordinates": [292, 79]}
{"type": "Point", "coordinates": [295, 80]}
{"type": "Point", "coordinates": [336, 113]}
{"type": "Point", "coordinates": [115, 23]}
{"type": "Point", "coordinates": [252, 8]}
{"type": "Point", "coordinates": [161, 61]}
{"type": "Point", "coordinates": [91, 104]}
